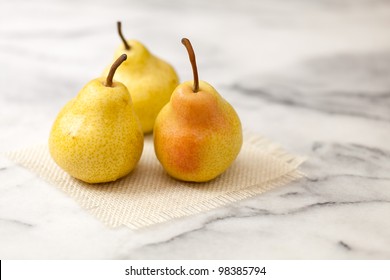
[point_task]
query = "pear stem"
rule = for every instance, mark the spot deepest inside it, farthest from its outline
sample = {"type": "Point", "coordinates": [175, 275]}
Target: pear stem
{"type": "Point", "coordinates": [119, 25]}
{"type": "Point", "coordinates": [191, 55]}
{"type": "Point", "coordinates": [113, 68]}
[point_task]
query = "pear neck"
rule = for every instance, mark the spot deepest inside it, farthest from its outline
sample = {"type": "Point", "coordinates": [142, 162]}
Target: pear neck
{"type": "Point", "coordinates": [138, 55]}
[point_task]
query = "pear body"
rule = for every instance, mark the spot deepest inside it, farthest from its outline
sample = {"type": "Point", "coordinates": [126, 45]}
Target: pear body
{"type": "Point", "coordinates": [149, 79]}
{"type": "Point", "coordinates": [197, 136]}
{"type": "Point", "coordinates": [97, 136]}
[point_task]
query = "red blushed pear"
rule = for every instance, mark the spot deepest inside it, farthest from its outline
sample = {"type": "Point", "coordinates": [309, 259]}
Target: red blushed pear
{"type": "Point", "coordinates": [198, 134]}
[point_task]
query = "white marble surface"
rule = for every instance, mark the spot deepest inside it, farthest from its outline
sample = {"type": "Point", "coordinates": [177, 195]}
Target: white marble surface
{"type": "Point", "coordinates": [313, 76]}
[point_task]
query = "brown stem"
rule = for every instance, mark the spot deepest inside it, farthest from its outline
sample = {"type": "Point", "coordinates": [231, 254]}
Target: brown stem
{"type": "Point", "coordinates": [119, 25]}
{"type": "Point", "coordinates": [191, 55]}
{"type": "Point", "coordinates": [113, 68]}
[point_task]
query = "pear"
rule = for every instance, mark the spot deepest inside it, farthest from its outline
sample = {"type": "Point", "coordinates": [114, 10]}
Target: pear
{"type": "Point", "coordinates": [97, 136]}
{"type": "Point", "coordinates": [149, 79]}
{"type": "Point", "coordinates": [198, 134]}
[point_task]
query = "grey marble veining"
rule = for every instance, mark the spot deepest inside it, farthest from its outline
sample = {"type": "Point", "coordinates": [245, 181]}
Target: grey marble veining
{"type": "Point", "coordinates": [354, 85]}
{"type": "Point", "coordinates": [310, 75]}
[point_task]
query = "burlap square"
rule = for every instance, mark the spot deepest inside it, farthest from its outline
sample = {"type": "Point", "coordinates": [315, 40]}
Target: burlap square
{"type": "Point", "coordinates": [148, 195]}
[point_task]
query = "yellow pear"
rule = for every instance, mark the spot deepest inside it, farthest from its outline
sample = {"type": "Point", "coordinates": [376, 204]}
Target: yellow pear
{"type": "Point", "coordinates": [149, 79]}
{"type": "Point", "coordinates": [198, 134]}
{"type": "Point", "coordinates": [97, 136]}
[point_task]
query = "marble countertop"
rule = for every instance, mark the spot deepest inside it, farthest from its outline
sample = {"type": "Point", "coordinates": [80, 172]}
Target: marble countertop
{"type": "Point", "coordinates": [313, 76]}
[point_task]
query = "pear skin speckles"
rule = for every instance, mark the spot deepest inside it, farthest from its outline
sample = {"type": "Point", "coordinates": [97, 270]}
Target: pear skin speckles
{"type": "Point", "coordinates": [97, 136]}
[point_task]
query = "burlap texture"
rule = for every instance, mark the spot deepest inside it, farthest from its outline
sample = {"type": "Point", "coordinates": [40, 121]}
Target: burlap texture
{"type": "Point", "coordinates": [148, 195]}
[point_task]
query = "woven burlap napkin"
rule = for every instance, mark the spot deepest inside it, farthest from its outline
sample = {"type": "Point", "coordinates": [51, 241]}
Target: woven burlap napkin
{"type": "Point", "coordinates": [148, 195]}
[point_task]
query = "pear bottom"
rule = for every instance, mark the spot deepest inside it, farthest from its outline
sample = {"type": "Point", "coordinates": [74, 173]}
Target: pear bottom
{"type": "Point", "coordinates": [107, 163]}
{"type": "Point", "coordinates": [197, 157]}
